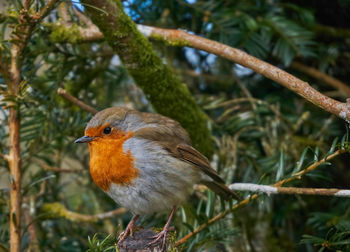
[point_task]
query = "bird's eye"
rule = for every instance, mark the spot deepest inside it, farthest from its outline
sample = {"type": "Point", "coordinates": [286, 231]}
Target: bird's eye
{"type": "Point", "coordinates": [107, 130]}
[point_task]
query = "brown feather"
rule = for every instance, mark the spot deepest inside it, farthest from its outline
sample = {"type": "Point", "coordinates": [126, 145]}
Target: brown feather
{"type": "Point", "coordinates": [221, 189]}
{"type": "Point", "coordinates": [191, 155]}
{"type": "Point", "coordinates": [173, 138]}
{"type": "Point", "coordinates": [169, 129]}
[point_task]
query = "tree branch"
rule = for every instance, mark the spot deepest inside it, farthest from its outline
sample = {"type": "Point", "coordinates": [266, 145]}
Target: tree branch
{"type": "Point", "coordinates": [322, 77]}
{"type": "Point", "coordinates": [19, 38]}
{"type": "Point", "coordinates": [178, 37]}
{"type": "Point", "coordinates": [57, 169]}
{"type": "Point", "coordinates": [289, 190]}
{"type": "Point", "coordinates": [76, 102]}
{"type": "Point", "coordinates": [45, 10]}
{"type": "Point", "coordinates": [65, 29]}
{"type": "Point", "coordinates": [302, 88]}
{"type": "Point", "coordinates": [57, 210]}
{"type": "Point", "coordinates": [323, 30]}
{"type": "Point", "coordinates": [14, 160]}
{"type": "Point", "coordinates": [312, 167]}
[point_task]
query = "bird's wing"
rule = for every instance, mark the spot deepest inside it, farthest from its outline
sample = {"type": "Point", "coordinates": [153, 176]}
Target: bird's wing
{"type": "Point", "coordinates": [169, 129]}
{"type": "Point", "coordinates": [173, 142]}
{"type": "Point", "coordinates": [190, 155]}
{"type": "Point", "coordinates": [174, 139]}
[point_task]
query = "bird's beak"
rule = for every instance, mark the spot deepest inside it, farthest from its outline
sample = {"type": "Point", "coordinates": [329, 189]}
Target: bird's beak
{"type": "Point", "coordinates": [84, 139]}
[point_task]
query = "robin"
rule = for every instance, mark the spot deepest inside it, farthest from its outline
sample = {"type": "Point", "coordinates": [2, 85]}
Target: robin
{"type": "Point", "coordinates": [145, 162]}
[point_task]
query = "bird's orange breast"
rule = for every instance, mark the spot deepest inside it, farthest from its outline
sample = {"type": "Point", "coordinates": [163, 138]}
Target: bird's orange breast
{"type": "Point", "coordinates": [109, 163]}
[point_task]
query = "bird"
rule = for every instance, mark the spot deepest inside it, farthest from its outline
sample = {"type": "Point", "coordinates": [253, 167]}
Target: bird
{"type": "Point", "coordinates": [145, 162]}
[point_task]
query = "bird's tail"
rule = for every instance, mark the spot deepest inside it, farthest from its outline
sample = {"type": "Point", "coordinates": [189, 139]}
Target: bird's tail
{"type": "Point", "coordinates": [221, 189]}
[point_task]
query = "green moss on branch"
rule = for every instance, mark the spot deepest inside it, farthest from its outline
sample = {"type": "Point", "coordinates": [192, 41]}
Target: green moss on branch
{"type": "Point", "coordinates": [57, 210]}
{"type": "Point", "coordinates": [168, 95]}
{"type": "Point", "coordinates": [62, 33]}
{"type": "Point", "coordinates": [175, 42]}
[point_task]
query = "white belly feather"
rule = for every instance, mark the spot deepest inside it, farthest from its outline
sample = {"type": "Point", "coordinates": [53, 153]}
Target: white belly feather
{"type": "Point", "coordinates": [162, 182]}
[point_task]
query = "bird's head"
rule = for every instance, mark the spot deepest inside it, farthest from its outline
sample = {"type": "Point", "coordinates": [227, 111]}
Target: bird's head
{"type": "Point", "coordinates": [105, 133]}
{"type": "Point", "coordinates": [110, 123]}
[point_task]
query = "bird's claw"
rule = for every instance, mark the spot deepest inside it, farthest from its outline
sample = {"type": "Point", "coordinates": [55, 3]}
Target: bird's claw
{"type": "Point", "coordinates": [128, 231]}
{"type": "Point", "coordinates": [123, 236]}
{"type": "Point", "coordinates": [161, 236]}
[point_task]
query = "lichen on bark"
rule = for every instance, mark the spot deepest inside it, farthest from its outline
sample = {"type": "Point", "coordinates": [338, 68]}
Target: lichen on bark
{"type": "Point", "coordinates": [168, 95]}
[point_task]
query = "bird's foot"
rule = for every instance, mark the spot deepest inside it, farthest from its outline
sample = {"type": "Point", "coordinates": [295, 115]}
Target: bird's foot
{"type": "Point", "coordinates": [123, 235]}
{"type": "Point", "coordinates": [161, 236]}
{"type": "Point", "coordinates": [128, 231]}
{"type": "Point", "coordinates": [164, 233]}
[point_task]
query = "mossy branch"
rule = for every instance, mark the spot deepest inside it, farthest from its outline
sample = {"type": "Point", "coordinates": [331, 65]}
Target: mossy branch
{"type": "Point", "coordinates": [57, 210]}
{"type": "Point", "coordinates": [168, 95]}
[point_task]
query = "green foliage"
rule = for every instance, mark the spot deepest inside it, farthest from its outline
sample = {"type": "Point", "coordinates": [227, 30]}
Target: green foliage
{"type": "Point", "coordinates": [262, 132]}
{"type": "Point", "coordinates": [262, 28]}
{"type": "Point", "coordinates": [332, 229]}
{"type": "Point", "coordinates": [95, 245]}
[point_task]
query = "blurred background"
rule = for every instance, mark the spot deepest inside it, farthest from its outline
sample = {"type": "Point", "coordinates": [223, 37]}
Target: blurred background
{"type": "Point", "coordinates": [261, 131]}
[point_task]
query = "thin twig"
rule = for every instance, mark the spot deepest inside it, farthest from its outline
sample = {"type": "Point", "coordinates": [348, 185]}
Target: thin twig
{"type": "Point", "coordinates": [57, 169]}
{"type": "Point", "coordinates": [4, 69]}
{"type": "Point", "coordinates": [323, 30]}
{"type": "Point", "coordinates": [255, 196]}
{"type": "Point", "coordinates": [75, 101]}
{"type": "Point", "coordinates": [46, 10]}
{"type": "Point", "coordinates": [216, 218]}
{"type": "Point", "coordinates": [298, 175]}
{"type": "Point", "coordinates": [5, 156]}
{"type": "Point", "coordinates": [57, 210]}
{"type": "Point", "coordinates": [31, 225]}
{"type": "Point", "coordinates": [63, 12]}
{"type": "Point", "coordinates": [289, 190]}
